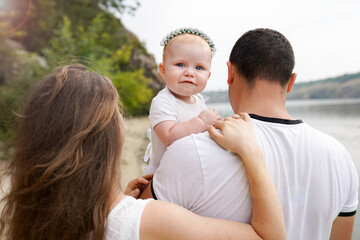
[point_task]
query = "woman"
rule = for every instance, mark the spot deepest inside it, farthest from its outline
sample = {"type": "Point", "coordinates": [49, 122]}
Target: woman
{"type": "Point", "coordinates": [64, 177]}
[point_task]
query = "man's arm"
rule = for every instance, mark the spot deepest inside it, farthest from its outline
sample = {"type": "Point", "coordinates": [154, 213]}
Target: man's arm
{"type": "Point", "coordinates": [342, 228]}
{"type": "Point", "coordinates": [343, 224]}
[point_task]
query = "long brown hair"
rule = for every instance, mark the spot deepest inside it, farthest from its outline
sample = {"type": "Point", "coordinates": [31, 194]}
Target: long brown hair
{"type": "Point", "coordinates": [66, 160]}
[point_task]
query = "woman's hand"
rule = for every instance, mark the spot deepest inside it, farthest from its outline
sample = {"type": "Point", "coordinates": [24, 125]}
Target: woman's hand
{"type": "Point", "coordinates": [136, 186]}
{"type": "Point", "coordinates": [237, 135]}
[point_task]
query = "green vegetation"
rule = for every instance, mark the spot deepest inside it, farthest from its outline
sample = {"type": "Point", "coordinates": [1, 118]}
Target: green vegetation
{"type": "Point", "coordinates": [18, 70]}
{"type": "Point", "coordinates": [47, 15]}
{"type": "Point", "coordinates": [58, 32]}
{"type": "Point", "coordinates": [113, 60]}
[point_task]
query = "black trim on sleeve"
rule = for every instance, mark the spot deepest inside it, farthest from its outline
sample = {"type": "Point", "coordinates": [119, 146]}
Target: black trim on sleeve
{"type": "Point", "coordinates": [275, 120]}
{"type": "Point", "coordinates": [347, 214]}
{"type": "Point", "coordinates": [152, 190]}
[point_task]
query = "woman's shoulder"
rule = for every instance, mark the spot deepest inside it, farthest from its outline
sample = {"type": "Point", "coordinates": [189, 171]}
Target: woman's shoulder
{"type": "Point", "coordinates": [125, 218]}
{"type": "Point", "coordinates": [129, 205]}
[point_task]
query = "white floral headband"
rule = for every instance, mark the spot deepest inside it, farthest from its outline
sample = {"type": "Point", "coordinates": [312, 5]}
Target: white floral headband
{"type": "Point", "coordinates": [194, 31]}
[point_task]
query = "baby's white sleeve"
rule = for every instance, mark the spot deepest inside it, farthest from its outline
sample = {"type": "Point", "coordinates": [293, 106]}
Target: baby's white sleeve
{"type": "Point", "coordinates": [162, 109]}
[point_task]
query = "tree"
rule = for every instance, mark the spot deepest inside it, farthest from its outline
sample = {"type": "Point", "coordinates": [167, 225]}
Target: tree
{"type": "Point", "coordinates": [18, 70]}
{"type": "Point", "coordinates": [99, 51]}
{"type": "Point", "coordinates": [46, 15]}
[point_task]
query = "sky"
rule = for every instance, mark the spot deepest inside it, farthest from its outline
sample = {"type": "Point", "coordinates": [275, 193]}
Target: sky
{"type": "Point", "coordinates": [325, 34]}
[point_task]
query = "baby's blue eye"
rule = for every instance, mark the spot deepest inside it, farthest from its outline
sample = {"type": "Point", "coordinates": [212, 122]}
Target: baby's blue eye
{"type": "Point", "coordinates": [199, 68]}
{"type": "Point", "coordinates": [180, 65]}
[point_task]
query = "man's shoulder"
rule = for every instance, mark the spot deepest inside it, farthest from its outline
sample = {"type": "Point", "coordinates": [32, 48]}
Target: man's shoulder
{"type": "Point", "coordinates": [300, 130]}
{"type": "Point", "coordinates": [322, 138]}
{"type": "Point", "coordinates": [198, 140]}
{"type": "Point", "coordinates": [196, 173]}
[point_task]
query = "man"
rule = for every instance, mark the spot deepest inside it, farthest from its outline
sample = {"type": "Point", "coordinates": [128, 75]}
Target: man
{"type": "Point", "coordinates": [315, 177]}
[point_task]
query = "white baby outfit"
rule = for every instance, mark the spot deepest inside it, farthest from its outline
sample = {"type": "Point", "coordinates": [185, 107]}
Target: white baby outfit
{"type": "Point", "coordinates": [164, 107]}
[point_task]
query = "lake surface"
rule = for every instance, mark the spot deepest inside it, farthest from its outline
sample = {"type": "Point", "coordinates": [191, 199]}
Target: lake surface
{"type": "Point", "coordinates": [339, 118]}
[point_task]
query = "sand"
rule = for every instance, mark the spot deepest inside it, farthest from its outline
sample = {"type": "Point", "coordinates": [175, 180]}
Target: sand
{"type": "Point", "coordinates": [134, 148]}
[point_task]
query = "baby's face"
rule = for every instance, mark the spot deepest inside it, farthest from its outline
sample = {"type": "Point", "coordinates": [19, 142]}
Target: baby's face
{"type": "Point", "coordinates": [186, 68]}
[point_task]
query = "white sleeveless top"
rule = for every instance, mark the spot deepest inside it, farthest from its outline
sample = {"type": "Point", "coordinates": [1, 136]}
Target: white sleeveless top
{"type": "Point", "coordinates": [124, 219]}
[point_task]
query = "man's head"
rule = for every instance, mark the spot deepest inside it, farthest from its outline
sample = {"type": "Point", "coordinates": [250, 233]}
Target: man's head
{"type": "Point", "coordinates": [263, 54]}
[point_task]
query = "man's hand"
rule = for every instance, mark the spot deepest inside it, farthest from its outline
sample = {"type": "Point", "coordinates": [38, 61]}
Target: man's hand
{"type": "Point", "coordinates": [135, 187]}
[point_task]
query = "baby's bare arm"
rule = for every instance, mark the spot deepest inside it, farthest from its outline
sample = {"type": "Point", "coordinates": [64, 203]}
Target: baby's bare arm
{"type": "Point", "coordinates": [170, 131]}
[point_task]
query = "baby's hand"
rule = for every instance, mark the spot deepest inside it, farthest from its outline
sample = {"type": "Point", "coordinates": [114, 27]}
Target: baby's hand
{"type": "Point", "coordinates": [209, 116]}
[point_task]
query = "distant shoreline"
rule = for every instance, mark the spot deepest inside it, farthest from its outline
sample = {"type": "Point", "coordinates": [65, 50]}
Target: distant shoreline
{"type": "Point", "coordinates": [342, 87]}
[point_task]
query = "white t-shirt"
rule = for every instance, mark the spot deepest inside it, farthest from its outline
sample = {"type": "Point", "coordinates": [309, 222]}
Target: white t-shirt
{"type": "Point", "coordinates": [314, 175]}
{"type": "Point", "coordinates": [164, 107]}
{"type": "Point", "coordinates": [124, 220]}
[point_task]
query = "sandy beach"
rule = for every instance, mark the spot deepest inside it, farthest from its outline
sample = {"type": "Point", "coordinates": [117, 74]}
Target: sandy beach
{"type": "Point", "coordinates": [134, 148]}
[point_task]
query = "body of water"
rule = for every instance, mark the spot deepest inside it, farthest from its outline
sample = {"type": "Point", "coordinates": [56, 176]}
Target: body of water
{"type": "Point", "coordinates": [339, 118]}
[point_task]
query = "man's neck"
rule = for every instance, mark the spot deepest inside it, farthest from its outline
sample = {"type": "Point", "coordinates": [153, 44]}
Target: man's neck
{"type": "Point", "coordinates": [264, 99]}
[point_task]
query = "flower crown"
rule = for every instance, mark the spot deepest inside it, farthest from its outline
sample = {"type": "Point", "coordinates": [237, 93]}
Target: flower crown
{"type": "Point", "coordinates": [194, 31]}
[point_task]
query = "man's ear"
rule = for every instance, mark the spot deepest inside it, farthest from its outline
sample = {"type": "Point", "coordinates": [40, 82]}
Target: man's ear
{"type": "Point", "coordinates": [230, 72]}
{"type": "Point", "coordinates": [291, 82]}
{"type": "Point", "coordinates": [162, 70]}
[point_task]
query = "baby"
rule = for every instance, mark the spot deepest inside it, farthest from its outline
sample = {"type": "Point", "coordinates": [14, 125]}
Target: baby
{"type": "Point", "coordinates": [179, 109]}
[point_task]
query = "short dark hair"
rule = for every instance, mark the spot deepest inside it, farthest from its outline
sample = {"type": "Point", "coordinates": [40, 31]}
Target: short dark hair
{"type": "Point", "coordinates": [263, 53]}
